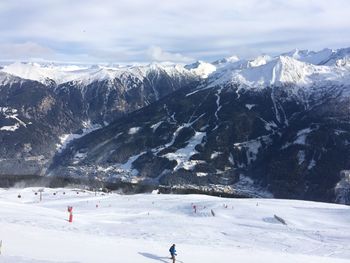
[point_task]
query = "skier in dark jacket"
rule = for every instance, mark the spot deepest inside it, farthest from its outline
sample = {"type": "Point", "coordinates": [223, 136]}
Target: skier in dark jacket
{"type": "Point", "coordinates": [173, 252]}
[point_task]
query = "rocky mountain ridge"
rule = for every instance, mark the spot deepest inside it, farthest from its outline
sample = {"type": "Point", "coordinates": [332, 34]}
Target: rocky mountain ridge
{"type": "Point", "coordinates": [40, 114]}
{"type": "Point", "coordinates": [270, 126]}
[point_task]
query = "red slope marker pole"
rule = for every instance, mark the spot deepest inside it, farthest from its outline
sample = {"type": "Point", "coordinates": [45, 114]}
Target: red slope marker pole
{"type": "Point", "coordinates": [70, 210]}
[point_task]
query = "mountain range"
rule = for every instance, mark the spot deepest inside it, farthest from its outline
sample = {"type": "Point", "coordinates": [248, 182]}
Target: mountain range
{"type": "Point", "coordinates": [268, 127]}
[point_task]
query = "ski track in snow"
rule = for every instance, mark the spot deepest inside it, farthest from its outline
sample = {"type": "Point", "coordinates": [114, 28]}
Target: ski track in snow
{"type": "Point", "coordinates": [218, 107]}
{"type": "Point", "coordinates": [141, 228]}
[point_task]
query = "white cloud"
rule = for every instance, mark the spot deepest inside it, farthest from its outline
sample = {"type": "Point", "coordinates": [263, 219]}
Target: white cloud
{"type": "Point", "coordinates": [120, 30]}
{"type": "Point", "coordinates": [24, 50]}
{"type": "Point", "coordinates": [158, 54]}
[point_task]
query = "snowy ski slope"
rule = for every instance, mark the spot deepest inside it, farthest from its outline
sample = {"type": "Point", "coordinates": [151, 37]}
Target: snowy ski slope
{"type": "Point", "coordinates": [141, 228]}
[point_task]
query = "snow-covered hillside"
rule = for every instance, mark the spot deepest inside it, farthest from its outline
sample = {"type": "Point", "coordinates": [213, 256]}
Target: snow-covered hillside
{"type": "Point", "coordinates": [141, 228]}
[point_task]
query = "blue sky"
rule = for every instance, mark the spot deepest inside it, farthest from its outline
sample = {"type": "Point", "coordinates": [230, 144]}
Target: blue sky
{"type": "Point", "coordinates": [114, 31]}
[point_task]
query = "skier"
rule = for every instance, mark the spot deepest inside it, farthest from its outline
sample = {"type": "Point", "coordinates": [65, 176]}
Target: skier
{"type": "Point", "coordinates": [173, 252]}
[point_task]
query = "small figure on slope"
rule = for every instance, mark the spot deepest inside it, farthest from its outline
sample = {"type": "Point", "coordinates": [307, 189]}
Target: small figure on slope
{"type": "Point", "coordinates": [172, 252]}
{"type": "Point", "coordinates": [194, 209]}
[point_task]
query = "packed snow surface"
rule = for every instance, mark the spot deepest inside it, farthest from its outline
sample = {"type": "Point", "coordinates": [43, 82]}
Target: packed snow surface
{"type": "Point", "coordinates": [141, 228]}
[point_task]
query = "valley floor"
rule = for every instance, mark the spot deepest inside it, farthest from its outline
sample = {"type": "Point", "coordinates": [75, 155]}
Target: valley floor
{"type": "Point", "coordinates": [141, 228]}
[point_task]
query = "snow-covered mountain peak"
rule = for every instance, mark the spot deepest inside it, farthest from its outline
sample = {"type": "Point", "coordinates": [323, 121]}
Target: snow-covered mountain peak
{"type": "Point", "coordinates": [280, 70]}
{"type": "Point", "coordinates": [300, 67]}
{"type": "Point", "coordinates": [298, 53]}
{"type": "Point", "coordinates": [258, 61]}
{"type": "Point", "coordinates": [226, 61]}
{"type": "Point", "coordinates": [233, 58]}
{"type": "Point", "coordinates": [317, 58]}
{"type": "Point", "coordinates": [287, 69]}
{"type": "Point", "coordinates": [44, 73]}
{"type": "Point", "coordinates": [201, 68]}
{"type": "Point", "coordinates": [95, 73]}
{"type": "Point", "coordinates": [87, 74]}
{"type": "Point", "coordinates": [6, 78]}
{"type": "Point", "coordinates": [31, 71]}
{"type": "Point", "coordinates": [325, 56]}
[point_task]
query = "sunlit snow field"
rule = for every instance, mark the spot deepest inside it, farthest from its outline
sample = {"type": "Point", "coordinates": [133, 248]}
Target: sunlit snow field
{"type": "Point", "coordinates": [141, 228]}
